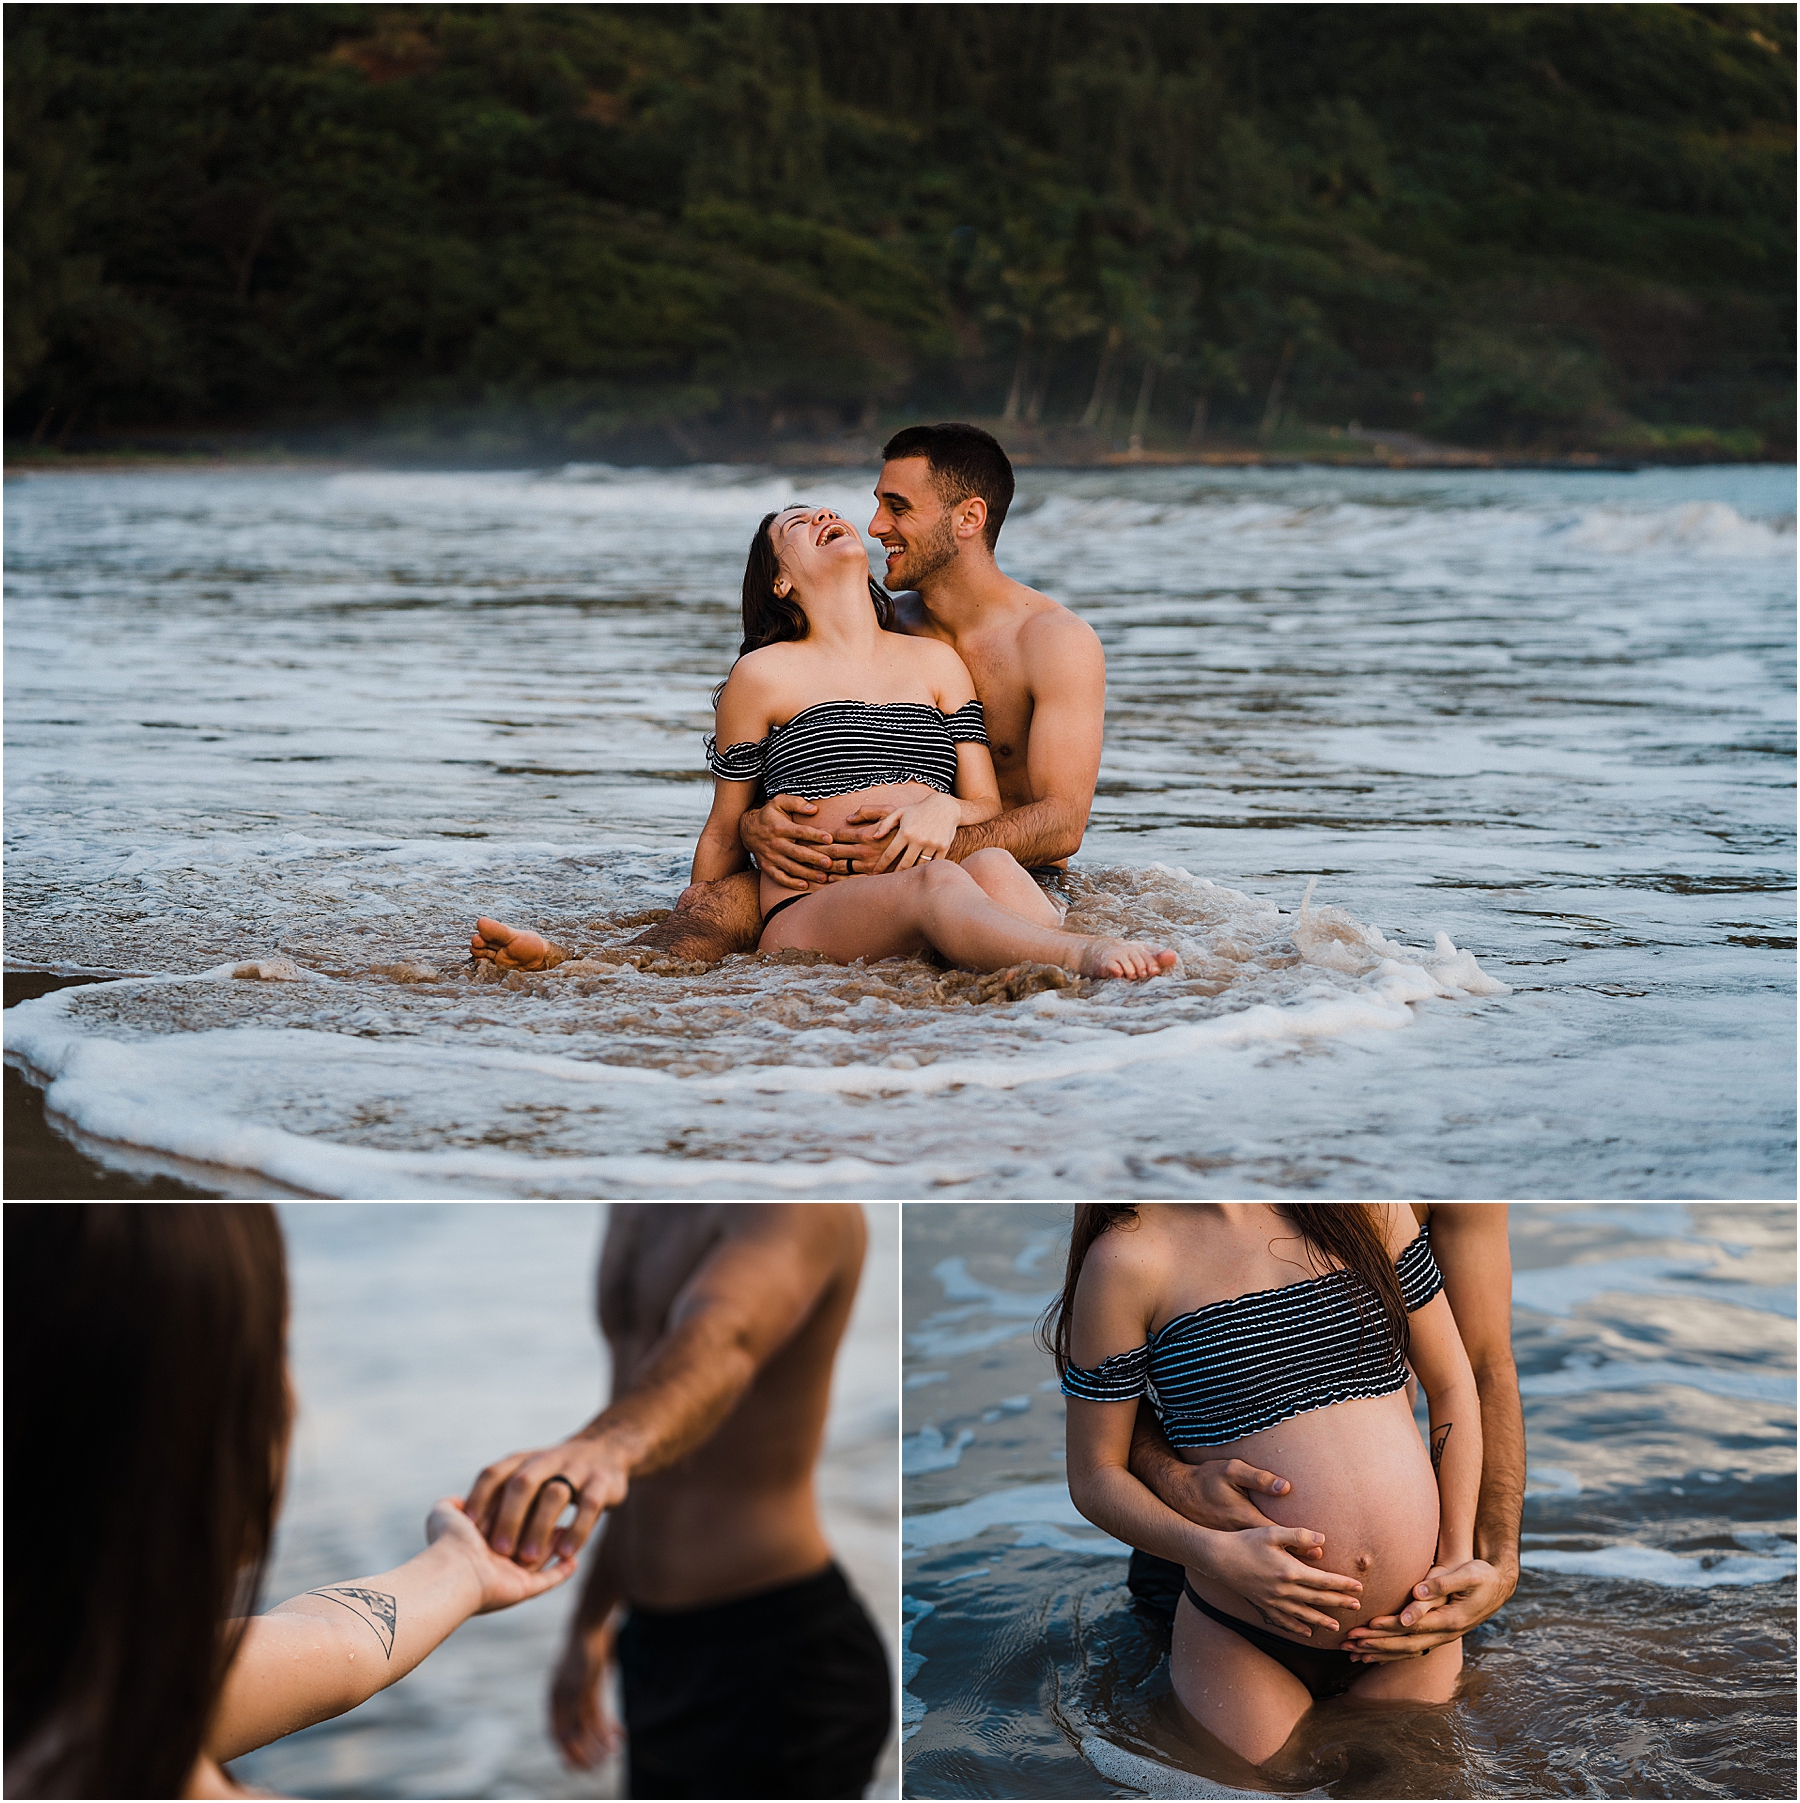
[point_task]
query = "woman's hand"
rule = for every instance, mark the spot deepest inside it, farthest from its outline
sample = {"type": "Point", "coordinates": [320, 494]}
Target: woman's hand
{"type": "Point", "coordinates": [580, 1720]}
{"type": "Point", "coordinates": [502, 1583]}
{"type": "Point", "coordinates": [922, 830]}
{"type": "Point", "coordinates": [1257, 1564]}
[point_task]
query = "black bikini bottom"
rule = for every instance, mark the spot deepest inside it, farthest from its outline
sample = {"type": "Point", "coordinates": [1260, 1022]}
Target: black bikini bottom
{"type": "Point", "coordinates": [785, 904]}
{"type": "Point", "coordinates": [1323, 1670]}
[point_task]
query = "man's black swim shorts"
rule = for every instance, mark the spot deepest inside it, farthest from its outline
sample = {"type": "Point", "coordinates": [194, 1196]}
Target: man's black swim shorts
{"type": "Point", "coordinates": [786, 1694]}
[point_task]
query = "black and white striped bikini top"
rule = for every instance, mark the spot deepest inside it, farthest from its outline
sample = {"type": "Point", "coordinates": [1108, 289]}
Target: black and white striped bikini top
{"type": "Point", "coordinates": [836, 747]}
{"type": "Point", "coordinates": [1238, 1366]}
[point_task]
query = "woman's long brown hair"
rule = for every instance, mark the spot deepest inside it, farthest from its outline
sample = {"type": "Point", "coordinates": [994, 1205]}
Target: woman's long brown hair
{"type": "Point", "coordinates": [1348, 1233]}
{"type": "Point", "coordinates": [147, 1415]}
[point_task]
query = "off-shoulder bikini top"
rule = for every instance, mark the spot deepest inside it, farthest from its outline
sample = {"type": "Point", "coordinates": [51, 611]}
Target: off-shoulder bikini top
{"type": "Point", "coordinates": [837, 747]}
{"type": "Point", "coordinates": [1236, 1367]}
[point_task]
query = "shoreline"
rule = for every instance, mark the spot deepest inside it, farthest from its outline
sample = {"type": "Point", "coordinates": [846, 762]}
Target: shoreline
{"type": "Point", "coordinates": [1368, 450]}
{"type": "Point", "coordinates": [42, 1163]}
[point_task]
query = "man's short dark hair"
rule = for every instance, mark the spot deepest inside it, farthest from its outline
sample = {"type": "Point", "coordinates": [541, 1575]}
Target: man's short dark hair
{"type": "Point", "coordinates": [964, 461]}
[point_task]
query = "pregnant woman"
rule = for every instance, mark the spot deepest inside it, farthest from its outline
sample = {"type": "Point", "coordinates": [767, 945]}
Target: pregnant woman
{"type": "Point", "coordinates": [824, 703]}
{"type": "Point", "coordinates": [1280, 1335]}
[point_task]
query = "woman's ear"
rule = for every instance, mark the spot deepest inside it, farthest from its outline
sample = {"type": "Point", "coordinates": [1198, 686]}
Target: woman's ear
{"type": "Point", "coordinates": [782, 585]}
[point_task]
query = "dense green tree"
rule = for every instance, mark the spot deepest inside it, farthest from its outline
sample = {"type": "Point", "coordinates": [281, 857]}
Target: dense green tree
{"type": "Point", "coordinates": [1519, 225]}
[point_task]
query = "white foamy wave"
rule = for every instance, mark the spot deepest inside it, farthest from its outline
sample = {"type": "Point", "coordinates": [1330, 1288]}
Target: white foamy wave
{"type": "Point", "coordinates": [1632, 1564]}
{"type": "Point", "coordinates": [1151, 1778]}
{"type": "Point", "coordinates": [927, 1450]}
{"type": "Point", "coordinates": [1583, 1375]}
{"type": "Point", "coordinates": [146, 1064]}
{"type": "Point", "coordinates": [1694, 529]}
{"type": "Point", "coordinates": [1032, 1508]}
{"type": "Point", "coordinates": [1562, 1289]}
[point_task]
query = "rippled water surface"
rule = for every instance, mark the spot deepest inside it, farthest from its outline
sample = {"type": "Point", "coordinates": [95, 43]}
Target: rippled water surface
{"type": "Point", "coordinates": [1648, 1651]}
{"type": "Point", "coordinates": [429, 1339]}
{"type": "Point", "coordinates": [1532, 735]}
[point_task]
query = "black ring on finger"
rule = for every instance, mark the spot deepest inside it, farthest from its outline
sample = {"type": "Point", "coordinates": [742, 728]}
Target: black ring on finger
{"type": "Point", "coordinates": [574, 1488]}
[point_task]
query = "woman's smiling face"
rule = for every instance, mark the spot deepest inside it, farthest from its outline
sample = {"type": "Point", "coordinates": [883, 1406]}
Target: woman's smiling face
{"type": "Point", "coordinates": [814, 544]}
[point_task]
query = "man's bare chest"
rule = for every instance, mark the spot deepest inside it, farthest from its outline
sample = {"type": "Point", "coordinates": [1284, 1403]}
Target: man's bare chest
{"type": "Point", "coordinates": [1006, 706]}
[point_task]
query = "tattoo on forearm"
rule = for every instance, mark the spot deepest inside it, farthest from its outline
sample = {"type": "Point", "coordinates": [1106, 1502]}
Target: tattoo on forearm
{"type": "Point", "coordinates": [1437, 1447]}
{"type": "Point", "coordinates": [375, 1607]}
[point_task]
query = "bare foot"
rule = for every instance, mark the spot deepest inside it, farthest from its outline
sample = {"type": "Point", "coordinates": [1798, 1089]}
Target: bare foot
{"type": "Point", "coordinates": [1128, 958]}
{"type": "Point", "coordinates": [513, 948]}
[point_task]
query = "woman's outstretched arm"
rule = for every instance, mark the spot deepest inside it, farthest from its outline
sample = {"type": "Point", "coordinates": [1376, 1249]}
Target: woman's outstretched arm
{"type": "Point", "coordinates": [318, 1655]}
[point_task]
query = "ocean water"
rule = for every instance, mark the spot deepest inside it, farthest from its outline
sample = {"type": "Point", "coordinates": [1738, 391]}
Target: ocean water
{"type": "Point", "coordinates": [428, 1339]}
{"type": "Point", "coordinates": [1649, 1648]}
{"type": "Point", "coordinates": [1526, 741]}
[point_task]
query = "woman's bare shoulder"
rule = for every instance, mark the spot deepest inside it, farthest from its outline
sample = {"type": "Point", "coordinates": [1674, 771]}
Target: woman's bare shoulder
{"type": "Point", "coordinates": [1398, 1224]}
{"type": "Point", "coordinates": [937, 664]}
{"type": "Point", "coordinates": [1131, 1250]}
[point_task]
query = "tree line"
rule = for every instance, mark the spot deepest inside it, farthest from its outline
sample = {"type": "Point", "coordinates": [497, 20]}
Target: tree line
{"type": "Point", "coordinates": [593, 226]}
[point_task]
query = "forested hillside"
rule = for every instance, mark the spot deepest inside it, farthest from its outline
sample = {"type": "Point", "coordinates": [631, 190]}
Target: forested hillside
{"type": "Point", "coordinates": [605, 227]}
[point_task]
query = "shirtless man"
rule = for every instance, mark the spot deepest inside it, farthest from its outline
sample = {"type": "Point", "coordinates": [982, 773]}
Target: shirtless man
{"type": "Point", "coordinates": [1468, 1240]}
{"type": "Point", "coordinates": [1039, 673]}
{"type": "Point", "coordinates": [749, 1667]}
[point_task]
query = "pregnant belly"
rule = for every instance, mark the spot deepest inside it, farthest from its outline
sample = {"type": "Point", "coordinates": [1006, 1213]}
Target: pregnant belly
{"type": "Point", "coordinates": [834, 815]}
{"type": "Point", "coordinates": [1362, 1478]}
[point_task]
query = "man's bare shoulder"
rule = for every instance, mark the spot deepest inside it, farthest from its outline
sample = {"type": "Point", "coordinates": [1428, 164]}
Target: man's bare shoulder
{"type": "Point", "coordinates": [831, 1229]}
{"type": "Point", "coordinates": [1058, 649]}
{"type": "Point", "coordinates": [1059, 629]}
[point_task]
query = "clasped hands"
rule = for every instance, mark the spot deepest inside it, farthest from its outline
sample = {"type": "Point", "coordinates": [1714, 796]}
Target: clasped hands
{"type": "Point", "coordinates": [1265, 1563]}
{"type": "Point", "coordinates": [871, 841]}
{"type": "Point", "coordinates": [517, 1501]}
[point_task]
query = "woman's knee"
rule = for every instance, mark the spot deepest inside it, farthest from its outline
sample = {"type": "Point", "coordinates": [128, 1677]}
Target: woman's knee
{"type": "Point", "coordinates": [941, 881]}
{"type": "Point", "coordinates": [991, 860]}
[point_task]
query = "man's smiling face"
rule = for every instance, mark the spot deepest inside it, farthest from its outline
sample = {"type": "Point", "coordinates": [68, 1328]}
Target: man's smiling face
{"type": "Point", "coordinates": [912, 522]}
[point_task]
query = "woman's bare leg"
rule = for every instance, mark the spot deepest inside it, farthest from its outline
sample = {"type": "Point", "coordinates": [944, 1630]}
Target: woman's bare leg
{"type": "Point", "coordinates": [1235, 1691]}
{"type": "Point", "coordinates": [1431, 1678]}
{"type": "Point", "coordinates": [943, 906]}
{"type": "Point", "coordinates": [1006, 883]}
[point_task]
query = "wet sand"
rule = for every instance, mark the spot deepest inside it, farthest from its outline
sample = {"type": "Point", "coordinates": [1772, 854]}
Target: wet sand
{"type": "Point", "coordinates": [41, 1165]}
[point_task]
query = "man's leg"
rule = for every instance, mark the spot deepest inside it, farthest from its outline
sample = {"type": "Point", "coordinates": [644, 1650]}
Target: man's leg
{"type": "Point", "coordinates": [711, 920]}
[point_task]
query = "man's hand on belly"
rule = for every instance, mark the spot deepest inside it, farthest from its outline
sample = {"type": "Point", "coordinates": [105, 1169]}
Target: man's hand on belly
{"type": "Point", "coordinates": [784, 847]}
{"type": "Point", "coordinates": [1447, 1603]}
{"type": "Point", "coordinates": [858, 847]}
{"type": "Point", "coordinates": [1220, 1493]}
